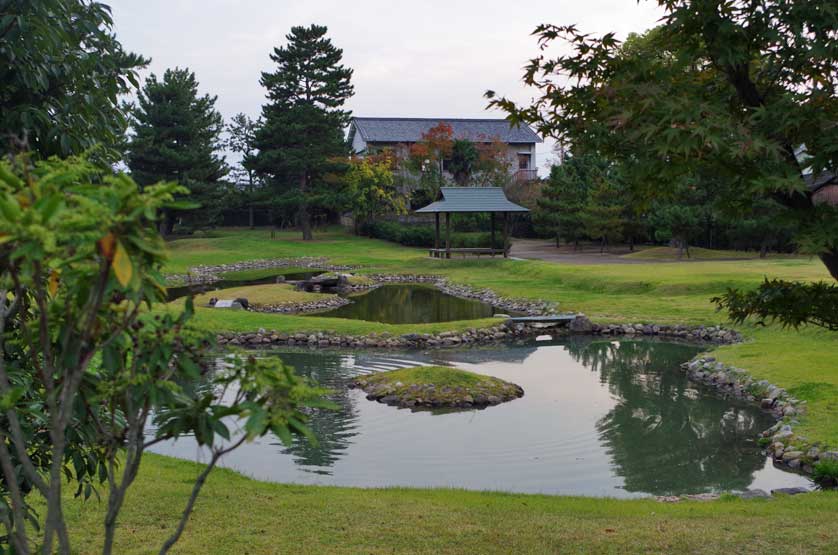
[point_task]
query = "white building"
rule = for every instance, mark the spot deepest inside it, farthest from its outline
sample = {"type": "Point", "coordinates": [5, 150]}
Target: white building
{"type": "Point", "coordinates": [374, 134]}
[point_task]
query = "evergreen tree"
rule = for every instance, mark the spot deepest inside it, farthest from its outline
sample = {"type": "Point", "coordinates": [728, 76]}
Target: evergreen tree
{"type": "Point", "coordinates": [176, 137]}
{"type": "Point", "coordinates": [464, 159]}
{"type": "Point", "coordinates": [241, 139]}
{"type": "Point", "coordinates": [561, 208]}
{"type": "Point", "coordinates": [302, 137]}
{"type": "Point", "coordinates": [603, 213]}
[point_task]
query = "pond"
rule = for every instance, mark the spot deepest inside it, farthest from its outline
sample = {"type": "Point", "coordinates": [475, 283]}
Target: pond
{"type": "Point", "coordinates": [173, 293]}
{"type": "Point", "coordinates": [599, 417]}
{"type": "Point", "coordinates": [410, 304]}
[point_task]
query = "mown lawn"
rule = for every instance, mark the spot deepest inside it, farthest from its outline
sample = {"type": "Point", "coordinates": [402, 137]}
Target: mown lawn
{"type": "Point", "coordinates": [805, 361]}
{"type": "Point", "coordinates": [236, 515]}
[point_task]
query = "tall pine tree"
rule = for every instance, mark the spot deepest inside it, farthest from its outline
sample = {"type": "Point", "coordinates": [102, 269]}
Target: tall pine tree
{"type": "Point", "coordinates": [176, 135]}
{"type": "Point", "coordinates": [302, 139]}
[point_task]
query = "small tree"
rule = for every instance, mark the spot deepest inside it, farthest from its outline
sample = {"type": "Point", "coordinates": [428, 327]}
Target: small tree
{"type": "Point", "coordinates": [371, 189]}
{"type": "Point", "coordinates": [493, 163]}
{"type": "Point", "coordinates": [463, 162]}
{"type": "Point", "coordinates": [176, 137]}
{"type": "Point", "coordinates": [677, 224]}
{"type": "Point", "coordinates": [88, 360]}
{"type": "Point", "coordinates": [603, 214]}
{"type": "Point", "coordinates": [566, 196]}
{"type": "Point", "coordinates": [241, 139]}
{"type": "Point", "coordinates": [426, 158]}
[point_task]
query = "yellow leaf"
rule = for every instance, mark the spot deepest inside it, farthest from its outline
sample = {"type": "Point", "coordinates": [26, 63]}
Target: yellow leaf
{"type": "Point", "coordinates": [53, 283]}
{"type": "Point", "coordinates": [106, 245]}
{"type": "Point", "coordinates": [122, 267]}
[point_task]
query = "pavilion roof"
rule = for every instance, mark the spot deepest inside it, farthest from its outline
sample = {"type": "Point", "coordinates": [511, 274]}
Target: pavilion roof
{"type": "Point", "coordinates": [472, 199]}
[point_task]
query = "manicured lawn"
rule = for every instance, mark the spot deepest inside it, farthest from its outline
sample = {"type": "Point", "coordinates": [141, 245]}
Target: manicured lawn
{"type": "Point", "coordinates": [696, 253]}
{"type": "Point", "coordinates": [269, 293]}
{"type": "Point", "coordinates": [805, 361]}
{"type": "Point", "coordinates": [237, 515]}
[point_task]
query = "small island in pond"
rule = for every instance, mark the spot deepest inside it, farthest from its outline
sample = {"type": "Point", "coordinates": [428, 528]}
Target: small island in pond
{"type": "Point", "coordinates": [436, 387]}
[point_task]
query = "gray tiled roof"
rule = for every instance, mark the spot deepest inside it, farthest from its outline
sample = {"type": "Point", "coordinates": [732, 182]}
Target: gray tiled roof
{"type": "Point", "coordinates": [472, 199]}
{"type": "Point", "coordinates": [409, 130]}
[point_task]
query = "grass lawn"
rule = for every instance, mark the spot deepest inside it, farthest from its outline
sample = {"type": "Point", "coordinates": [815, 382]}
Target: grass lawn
{"type": "Point", "coordinates": [805, 362]}
{"type": "Point", "coordinates": [697, 253]}
{"type": "Point", "coordinates": [236, 515]}
{"type": "Point", "coordinates": [269, 293]}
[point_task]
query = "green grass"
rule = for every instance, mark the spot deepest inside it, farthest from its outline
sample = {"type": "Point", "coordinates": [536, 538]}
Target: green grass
{"type": "Point", "coordinates": [237, 515]}
{"type": "Point", "coordinates": [440, 376]}
{"type": "Point", "coordinates": [696, 253]}
{"type": "Point", "coordinates": [260, 273]}
{"type": "Point", "coordinates": [805, 362]}
{"type": "Point", "coordinates": [269, 293]}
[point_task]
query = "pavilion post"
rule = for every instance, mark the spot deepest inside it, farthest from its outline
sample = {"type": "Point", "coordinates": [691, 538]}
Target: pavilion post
{"type": "Point", "coordinates": [448, 235]}
{"type": "Point", "coordinates": [436, 234]}
{"type": "Point", "coordinates": [492, 246]}
{"type": "Point", "coordinates": [505, 232]}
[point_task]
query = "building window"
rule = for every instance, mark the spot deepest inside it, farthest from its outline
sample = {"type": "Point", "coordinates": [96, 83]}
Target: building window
{"type": "Point", "coordinates": [523, 161]}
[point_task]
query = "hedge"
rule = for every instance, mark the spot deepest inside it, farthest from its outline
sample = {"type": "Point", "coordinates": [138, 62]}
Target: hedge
{"type": "Point", "coordinates": [423, 236]}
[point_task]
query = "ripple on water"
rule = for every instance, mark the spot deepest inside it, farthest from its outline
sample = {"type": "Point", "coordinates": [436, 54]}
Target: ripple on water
{"type": "Point", "coordinates": [598, 417]}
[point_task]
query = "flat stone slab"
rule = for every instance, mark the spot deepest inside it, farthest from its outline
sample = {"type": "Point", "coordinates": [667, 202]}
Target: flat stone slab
{"type": "Point", "coordinates": [754, 494]}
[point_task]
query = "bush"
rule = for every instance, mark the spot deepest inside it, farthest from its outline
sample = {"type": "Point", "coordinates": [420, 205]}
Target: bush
{"type": "Point", "coordinates": [423, 236]}
{"type": "Point", "coordinates": [825, 473]}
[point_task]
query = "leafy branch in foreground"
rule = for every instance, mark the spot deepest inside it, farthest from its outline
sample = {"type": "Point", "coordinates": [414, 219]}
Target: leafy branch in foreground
{"type": "Point", "coordinates": [88, 365]}
{"type": "Point", "coordinates": [792, 304]}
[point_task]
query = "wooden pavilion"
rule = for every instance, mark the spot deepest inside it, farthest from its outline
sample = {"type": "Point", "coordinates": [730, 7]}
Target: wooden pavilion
{"type": "Point", "coordinates": [453, 200]}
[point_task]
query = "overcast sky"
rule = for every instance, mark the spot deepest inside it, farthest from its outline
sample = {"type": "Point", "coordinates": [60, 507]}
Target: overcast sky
{"type": "Point", "coordinates": [418, 58]}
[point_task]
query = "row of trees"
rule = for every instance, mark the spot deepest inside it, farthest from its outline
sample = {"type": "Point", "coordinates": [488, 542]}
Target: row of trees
{"type": "Point", "coordinates": [721, 91]}
{"type": "Point", "coordinates": [587, 197]}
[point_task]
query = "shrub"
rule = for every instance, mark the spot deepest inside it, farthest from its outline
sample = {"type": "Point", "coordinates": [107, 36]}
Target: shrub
{"type": "Point", "coordinates": [423, 236]}
{"type": "Point", "coordinates": [825, 473]}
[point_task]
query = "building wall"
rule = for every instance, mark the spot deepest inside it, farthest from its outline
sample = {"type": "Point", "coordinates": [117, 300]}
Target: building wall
{"type": "Point", "coordinates": [358, 143]}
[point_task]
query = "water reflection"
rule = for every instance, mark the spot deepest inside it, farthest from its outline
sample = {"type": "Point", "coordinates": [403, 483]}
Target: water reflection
{"type": "Point", "coordinates": [410, 304]}
{"type": "Point", "coordinates": [599, 417]}
{"type": "Point", "coordinates": [664, 435]}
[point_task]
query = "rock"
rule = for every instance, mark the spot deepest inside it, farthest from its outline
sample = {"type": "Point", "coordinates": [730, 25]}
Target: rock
{"type": "Point", "coordinates": [581, 324]}
{"type": "Point", "coordinates": [829, 456]}
{"type": "Point", "coordinates": [792, 455]}
{"type": "Point", "coordinates": [754, 494]}
{"type": "Point", "coordinates": [789, 491]}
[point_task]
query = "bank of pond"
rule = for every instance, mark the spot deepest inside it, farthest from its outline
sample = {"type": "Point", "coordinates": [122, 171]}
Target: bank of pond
{"type": "Point", "coordinates": [599, 417]}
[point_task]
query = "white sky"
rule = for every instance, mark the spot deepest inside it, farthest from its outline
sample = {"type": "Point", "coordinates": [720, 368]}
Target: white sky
{"type": "Point", "coordinates": [412, 59]}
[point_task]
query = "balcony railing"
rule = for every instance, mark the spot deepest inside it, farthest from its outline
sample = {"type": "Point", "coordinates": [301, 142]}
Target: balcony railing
{"type": "Point", "coordinates": [526, 175]}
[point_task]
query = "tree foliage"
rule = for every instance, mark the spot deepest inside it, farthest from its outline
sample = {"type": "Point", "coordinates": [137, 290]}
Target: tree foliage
{"type": "Point", "coordinates": [176, 137]}
{"type": "Point", "coordinates": [371, 189]}
{"type": "Point", "coordinates": [241, 139]}
{"type": "Point", "coordinates": [62, 71]}
{"type": "Point", "coordinates": [719, 88]}
{"type": "Point", "coordinates": [301, 143]}
{"type": "Point", "coordinates": [88, 363]}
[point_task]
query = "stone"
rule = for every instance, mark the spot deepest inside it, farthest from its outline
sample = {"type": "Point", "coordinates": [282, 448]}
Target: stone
{"type": "Point", "coordinates": [829, 456]}
{"type": "Point", "coordinates": [754, 494]}
{"type": "Point", "coordinates": [789, 491]}
{"type": "Point", "coordinates": [581, 324]}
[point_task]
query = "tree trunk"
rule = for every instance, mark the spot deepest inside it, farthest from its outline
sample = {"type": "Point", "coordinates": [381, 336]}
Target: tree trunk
{"type": "Point", "coordinates": [304, 220]}
{"type": "Point", "coordinates": [830, 260]}
{"type": "Point", "coordinates": [763, 251]}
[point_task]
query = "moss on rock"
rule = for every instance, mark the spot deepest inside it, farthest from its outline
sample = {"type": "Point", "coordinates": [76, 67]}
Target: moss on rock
{"type": "Point", "coordinates": [436, 387]}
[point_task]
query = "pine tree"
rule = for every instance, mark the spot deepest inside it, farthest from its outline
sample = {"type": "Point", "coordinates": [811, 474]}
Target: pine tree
{"type": "Point", "coordinates": [176, 135]}
{"type": "Point", "coordinates": [561, 208]}
{"type": "Point", "coordinates": [241, 139]}
{"type": "Point", "coordinates": [302, 134]}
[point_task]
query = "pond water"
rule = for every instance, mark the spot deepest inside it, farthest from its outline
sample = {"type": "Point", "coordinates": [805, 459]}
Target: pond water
{"type": "Point", "coordinates": [173, 293]}
{"type": "Point", "coordinates": [599, 417]}
{"type": "Point", "coordinates": [410, 304]}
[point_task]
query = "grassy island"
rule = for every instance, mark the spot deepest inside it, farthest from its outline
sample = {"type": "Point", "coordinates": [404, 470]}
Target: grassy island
{"type": "Point", "coordinates": [270, 294]}
{"type": "Point", "coordinates": [437, 386]}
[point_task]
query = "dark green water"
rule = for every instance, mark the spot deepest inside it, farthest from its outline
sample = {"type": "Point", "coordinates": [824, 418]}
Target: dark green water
{"type": "Point", "coordinates": [410, 304]}
{"type": "Point", "coordinates": [598, 417]}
